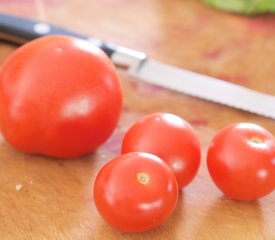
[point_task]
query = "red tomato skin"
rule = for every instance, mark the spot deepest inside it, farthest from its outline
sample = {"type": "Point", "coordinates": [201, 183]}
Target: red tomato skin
{"type": "Point", "coordinates": [241, 168]}
{"type": "Point", "coordinates": [59, 96]}
{"type": "Point", "coordinates": [129, 205]}
{"type": "Point", "coordinates": [169, 137]}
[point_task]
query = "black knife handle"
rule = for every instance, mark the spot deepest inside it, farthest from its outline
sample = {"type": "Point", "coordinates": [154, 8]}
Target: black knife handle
{"type": "Point", "coordinates": [20, 30]}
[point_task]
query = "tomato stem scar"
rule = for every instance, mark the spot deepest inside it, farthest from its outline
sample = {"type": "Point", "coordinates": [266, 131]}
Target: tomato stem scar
{"type": "Point", "coordinates": [256, 140]}
{"type": "Point", "coordinates": [143, 178]}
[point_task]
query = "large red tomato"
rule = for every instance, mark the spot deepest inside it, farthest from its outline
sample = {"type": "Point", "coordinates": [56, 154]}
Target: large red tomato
{"type": "Point", "coordinates": [59, 96]}
{"type": "Point", "coordinates": [169, 137]}
{"type": "Point", "coordinates": [241, 161]}
{"type": "Point", "coordinates": [135, 192]}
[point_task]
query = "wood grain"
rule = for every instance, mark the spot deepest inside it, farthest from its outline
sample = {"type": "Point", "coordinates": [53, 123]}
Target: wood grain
{"type": "Point", "coordinates": [44, 198]}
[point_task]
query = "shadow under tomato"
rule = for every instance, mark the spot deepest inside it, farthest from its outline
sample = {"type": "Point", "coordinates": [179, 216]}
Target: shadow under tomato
{"type": "Point", "coordinates": [229, 219]}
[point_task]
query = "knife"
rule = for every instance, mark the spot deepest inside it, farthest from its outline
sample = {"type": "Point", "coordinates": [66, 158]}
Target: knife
{"type": "Point", "coordinates": [20, 30]}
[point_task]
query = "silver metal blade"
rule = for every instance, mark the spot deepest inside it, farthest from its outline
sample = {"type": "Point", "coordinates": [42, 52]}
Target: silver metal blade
{"type": "Point", "coordinates": [205, 87]}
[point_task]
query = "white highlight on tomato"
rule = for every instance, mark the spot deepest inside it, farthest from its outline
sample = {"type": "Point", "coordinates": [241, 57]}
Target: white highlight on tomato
{"type": "Point", "coordinates": [80, 107]}
{"type": "Point", "coordinates": [177, 165]}
{"type": "Point", "coordinates": [173, 119]}
{"type": "Point", "coordinates": [150, 205]}
{"type": "Point", "coordinates": [262, 173]}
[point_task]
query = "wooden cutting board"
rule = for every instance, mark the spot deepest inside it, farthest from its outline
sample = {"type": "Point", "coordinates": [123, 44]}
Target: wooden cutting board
{"type": "Point", "coordinates": [45, 198]}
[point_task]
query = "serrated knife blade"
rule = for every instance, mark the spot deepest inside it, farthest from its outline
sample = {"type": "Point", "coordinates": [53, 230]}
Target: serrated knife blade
{"type": "Point", "coordinates": [137, 65]}
{"type": "Point", "coordinates": [207, 88]}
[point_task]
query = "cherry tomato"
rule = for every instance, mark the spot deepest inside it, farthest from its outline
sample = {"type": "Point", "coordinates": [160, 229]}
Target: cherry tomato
{"type": "Point", "coordinates": [59, 96]}
{"type": "Point", "coordinates": [169, 137]}
{"type": "Point", "coordinates": [241, 161]}
{"type": "Point", "coordinates": [135, 192]}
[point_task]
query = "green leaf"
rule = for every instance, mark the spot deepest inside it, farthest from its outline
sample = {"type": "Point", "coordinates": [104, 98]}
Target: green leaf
{"type": "Point", "coordinates": [247, 7]}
